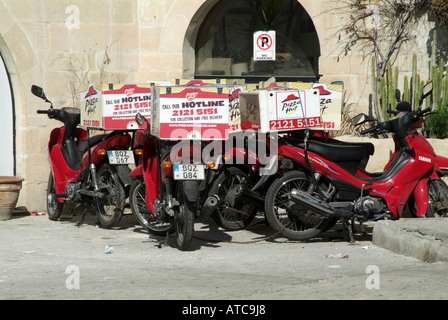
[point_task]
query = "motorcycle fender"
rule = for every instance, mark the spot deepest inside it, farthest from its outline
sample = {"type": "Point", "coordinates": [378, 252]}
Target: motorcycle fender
{"type": "Point", "coordinates": [124, 174]}
{"type": "Point", "coordinates": [191, 190]}
{"type": "Point", "coordinates": [421, 196]}
{"type": "Point", "coordinates": [138, 171]}
{"type": "Point", "coordinates": [441, 162]}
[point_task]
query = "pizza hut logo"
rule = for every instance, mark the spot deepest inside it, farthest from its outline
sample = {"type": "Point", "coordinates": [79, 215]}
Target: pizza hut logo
{"type": "Point", "coordinates": [91, 92]}
{"type": "Point", "coordinates": [322, 91]}
{"type": "Point", "coordinates": [129, 91]}
{"type": "Point", "coordinates": [290, 104]}
{"type": "Point", "coordinates": [191, 96]}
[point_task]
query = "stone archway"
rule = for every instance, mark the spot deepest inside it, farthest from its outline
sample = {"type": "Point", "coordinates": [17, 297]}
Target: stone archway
{"type": "Point", "coordinates": [7, 127]}
{"type": "Point", "coordinates": [212, 10]}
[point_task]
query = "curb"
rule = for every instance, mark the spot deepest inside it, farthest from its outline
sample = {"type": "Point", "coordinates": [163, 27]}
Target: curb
{"type": "Point", "coordinates": [424, 239]}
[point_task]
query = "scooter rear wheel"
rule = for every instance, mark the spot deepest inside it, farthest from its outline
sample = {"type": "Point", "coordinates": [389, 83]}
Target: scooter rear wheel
{"type": "Point", "coordinates": [54, 207]}
{"type": "Point", "coordinates": [294, 221]}
{"type": "Point", "coordinates": [242, 212]}
{"type": "Point", "coordinates": [110, 209]}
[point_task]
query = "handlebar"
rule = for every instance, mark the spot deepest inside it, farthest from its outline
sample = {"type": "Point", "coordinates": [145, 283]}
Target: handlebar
{"type": "Point", "coordinates": [52, 113]}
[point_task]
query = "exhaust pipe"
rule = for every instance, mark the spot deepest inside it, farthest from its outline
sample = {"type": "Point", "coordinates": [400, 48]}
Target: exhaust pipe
{"type": "Point", "coordinates": [311, 202]}
{"type": "Point", "coordinates": [318, 205]}
{"type": "Point", "coordinates": [209, 206]}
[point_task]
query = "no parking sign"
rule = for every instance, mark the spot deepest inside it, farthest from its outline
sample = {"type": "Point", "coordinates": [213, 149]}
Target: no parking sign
{"type": "Point", "coordinates": [264, 46]}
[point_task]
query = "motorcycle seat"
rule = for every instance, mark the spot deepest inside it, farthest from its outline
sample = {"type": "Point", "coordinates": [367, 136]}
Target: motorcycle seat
{"type": "Point", "coordinates": [333, 152]}
{"type": "Point", "coordinates": [83, 145]}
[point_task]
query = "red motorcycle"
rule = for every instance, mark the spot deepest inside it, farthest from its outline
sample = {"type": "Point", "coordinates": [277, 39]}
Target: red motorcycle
{"type": "Point", "coordinates": [74, 157]}
{"type": "Point", "coordinates": [322, 182]}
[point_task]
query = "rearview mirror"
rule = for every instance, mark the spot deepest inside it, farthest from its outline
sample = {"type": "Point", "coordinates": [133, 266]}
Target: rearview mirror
{"type": "Point", "coordinates": [140, 119]}
{"type": "Point", "coordinates": [360, 119]}
{"type": "Point", "coordinates": [38, 92]}
{"type": "Point", "coordinates": [427, 89]}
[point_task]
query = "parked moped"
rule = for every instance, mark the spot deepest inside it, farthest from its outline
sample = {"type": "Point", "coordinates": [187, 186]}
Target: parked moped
{"type": "Point", "coordinates": [80, 170]}
{"type": "Point", "coordinates": [165, 193]}
{"type": "Point", "coordinates": [326, 182]}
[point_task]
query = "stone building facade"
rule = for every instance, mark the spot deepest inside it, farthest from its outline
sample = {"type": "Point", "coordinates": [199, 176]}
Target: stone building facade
{"type": "Point", "coordinates": [58, 44]}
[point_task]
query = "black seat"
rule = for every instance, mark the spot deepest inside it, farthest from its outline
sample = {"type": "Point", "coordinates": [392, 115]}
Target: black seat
{"type": "Point", "coordinates": [333, 152]}
{"type": "Point", "coordinates": [83, 146]}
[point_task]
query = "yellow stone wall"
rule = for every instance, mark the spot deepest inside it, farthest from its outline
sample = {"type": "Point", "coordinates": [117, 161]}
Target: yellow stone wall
{"type": "Point", "coordinates": [127, 41]}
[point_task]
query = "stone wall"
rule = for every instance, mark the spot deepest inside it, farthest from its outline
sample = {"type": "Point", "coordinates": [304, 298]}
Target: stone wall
{"type": "Point", "coordinates": [123, 41]}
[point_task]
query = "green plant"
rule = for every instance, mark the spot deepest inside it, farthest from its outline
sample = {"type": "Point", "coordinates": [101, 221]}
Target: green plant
{"type": "Point", "coordinates": [236, 55]}
{"type": "Point", "coordinates": [436, 125]}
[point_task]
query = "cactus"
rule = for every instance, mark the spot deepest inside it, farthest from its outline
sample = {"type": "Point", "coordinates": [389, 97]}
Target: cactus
{"type": "Point", "coordinates": [383, 92]}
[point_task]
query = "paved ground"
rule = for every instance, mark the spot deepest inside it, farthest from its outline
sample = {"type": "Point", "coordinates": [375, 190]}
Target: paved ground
{"type": "Point", "coordinates": [41, 259]}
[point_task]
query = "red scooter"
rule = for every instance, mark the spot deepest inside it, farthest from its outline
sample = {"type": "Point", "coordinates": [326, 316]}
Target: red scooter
{"type": "Point", "coordinates": [325, 182]}
{"type": "Point", "coordinates": [165, 192]}
{"type": "Point", "coordinates": [74, 157]}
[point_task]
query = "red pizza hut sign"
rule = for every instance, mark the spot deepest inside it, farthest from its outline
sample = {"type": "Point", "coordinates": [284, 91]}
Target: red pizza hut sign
{"type": "Point", "coordinates": [113, 107]}
{"type": "Point", "coordinates": [190, 113]}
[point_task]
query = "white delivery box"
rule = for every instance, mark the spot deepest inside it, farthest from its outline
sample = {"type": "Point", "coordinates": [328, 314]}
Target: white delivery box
{"type": "Point", "coordinates": [280, 110]}
{"type": "Point", "coordinates": [234, 85]}
{"type": "Point", "coordinates": [114, 106]}
{"type": "Point", "coordinates": [331, 99]}
{"type": "Point", "coordinates": [190, 112]}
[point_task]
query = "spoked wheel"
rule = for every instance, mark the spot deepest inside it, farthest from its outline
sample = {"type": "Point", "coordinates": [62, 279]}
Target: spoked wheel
{"type": "Point", "coordinates": [148, 220]}
{"type": "Point", "coordinates": [184, 219]}
{"type": "Point", "coordinates": [110, 207]}
{"type": "Point", "coordinates": [437, 200]}
{"type": "Point", "coordinates": [233, 212]}
{"type": "Point", "coordinates": [294, 221]}
{"type": "Point", "coordinates": [54, 207]}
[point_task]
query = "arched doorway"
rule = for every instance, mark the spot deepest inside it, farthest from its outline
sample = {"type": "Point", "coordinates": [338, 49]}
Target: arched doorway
{"type": "Point", "coordinates": [226, 36]}
{"type": "Point", "coordinates": [7, 158]}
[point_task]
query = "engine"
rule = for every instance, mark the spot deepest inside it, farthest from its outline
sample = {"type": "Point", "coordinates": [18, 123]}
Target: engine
{"type": "Point", "coordinates": [369, 205]}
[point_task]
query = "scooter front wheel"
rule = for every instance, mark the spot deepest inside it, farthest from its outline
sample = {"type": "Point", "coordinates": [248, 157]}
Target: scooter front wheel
{"type": "Point", "coordinates": [184, 219]}
{"type": "Point", "coordinates": [294, 221]}
{"type": "Point", "coordinates": [54, 207]}
{"type": "Point", "coordinates": [110, 207]}
{"type": "Point", "coordinates": [149, 221]}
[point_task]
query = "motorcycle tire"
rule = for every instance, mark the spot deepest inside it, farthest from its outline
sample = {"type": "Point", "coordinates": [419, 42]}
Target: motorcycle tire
{"type": "Point", "coordinates": [295, 222]}
{"type": "Point", "coordinates": [54, 207]}
{"type": "Point", "coordinates": [437, 201]}
{"type": "Point", "coordinates": [184, 219]}
{"type": "Point", "coordinates": [242, 212]}
{"type": "Point", "coordinates": [150, 222]}
{"type": "Point", "coordinates": [110, 209]}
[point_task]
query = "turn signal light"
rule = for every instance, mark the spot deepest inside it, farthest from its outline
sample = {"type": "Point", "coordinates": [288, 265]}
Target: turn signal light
{"type": "Point", "coordinates": [227, 157]}
{"type": "Point", "coordinates": [102, 152]}
{"type": "Point", "coordinates": [138, 152]}
{"type": "Point", "coordinates": [211, 164]}
{"type": "Point", "coordinates": [167, 164]}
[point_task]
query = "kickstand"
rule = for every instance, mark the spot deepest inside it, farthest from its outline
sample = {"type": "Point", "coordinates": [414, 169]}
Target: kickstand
{"type": "Point", "coordinates": [349, 226]}
{"type": "Point", "coordinates": [165, 242]}
{"type": "Point", "coordinates": [82, 218]}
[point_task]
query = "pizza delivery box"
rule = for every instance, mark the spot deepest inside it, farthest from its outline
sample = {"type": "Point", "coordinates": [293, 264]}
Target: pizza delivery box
{"type": "Point", "coordinates": [190, 112]}
{"type": "Point", "coordinates": [280, 110]}
{"type": "Point", "coordinates": [114, 106]}
{"type": "Point", "coordinates": [331, 99]}
{"type": "Point", "coordinates": [234, 85]}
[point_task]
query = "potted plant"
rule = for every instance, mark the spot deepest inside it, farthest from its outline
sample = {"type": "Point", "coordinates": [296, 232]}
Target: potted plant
{"type": "Point", "coordinates": [9, 194]}
{"type": "Point", "coordinates": [239, 62]}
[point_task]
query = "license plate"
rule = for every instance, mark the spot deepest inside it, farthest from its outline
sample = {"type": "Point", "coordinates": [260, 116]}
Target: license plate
{"type": "Point", "coordinates": [189, 171]}
{"type": "Point", "coordinates": [120, 157]}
